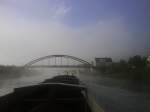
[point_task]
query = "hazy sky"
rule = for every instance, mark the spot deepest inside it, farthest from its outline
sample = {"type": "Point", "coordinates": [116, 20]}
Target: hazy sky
{"type": "Point", "coordinates": [84, 28]}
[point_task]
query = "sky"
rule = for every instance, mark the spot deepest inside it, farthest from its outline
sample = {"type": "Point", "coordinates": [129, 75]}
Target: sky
{"type": "Point", "coordinates": [83, 28]}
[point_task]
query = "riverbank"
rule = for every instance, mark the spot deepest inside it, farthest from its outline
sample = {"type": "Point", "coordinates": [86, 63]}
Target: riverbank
{"type": "Point", "coordinates": [121, 80]}
{"type": "Point", "coordinates": [112, 95]}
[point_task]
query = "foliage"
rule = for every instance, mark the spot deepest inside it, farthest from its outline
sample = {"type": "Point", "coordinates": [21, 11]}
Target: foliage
{"type": "Point", "coordinates": [9, 72]}
{"type": "Point", "coordinates": [135, 69]}
{"type": "Point", "coordinates": [137, 62]}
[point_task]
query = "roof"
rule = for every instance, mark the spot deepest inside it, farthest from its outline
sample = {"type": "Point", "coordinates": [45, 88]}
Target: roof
{"type": "Point", "coordinates": [105, 59]}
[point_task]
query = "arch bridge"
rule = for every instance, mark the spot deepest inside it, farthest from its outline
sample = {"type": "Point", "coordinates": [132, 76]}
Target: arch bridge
{"type": "Point", "coordinates": [58, 61]}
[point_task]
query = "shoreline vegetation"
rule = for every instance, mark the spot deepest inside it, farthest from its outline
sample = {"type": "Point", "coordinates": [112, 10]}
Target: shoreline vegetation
{"type": "Point", "coordinates": [10, 72]}
{"type": "Point", "coordinates": [135, 71]}
{"type": "Point", "coordinates": [133, 74]}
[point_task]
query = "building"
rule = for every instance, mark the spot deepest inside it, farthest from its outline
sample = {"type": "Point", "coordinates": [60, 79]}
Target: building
{"type": "Point", "coordinates": [103, 62]}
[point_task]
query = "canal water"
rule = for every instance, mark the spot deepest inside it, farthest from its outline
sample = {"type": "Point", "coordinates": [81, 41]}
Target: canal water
{"type": "Point", "coordinates": [7, 84]}
{"type": "Point", "coordinates": [106, 91]}
{"type": "Point", "coordinates": [110, 95]}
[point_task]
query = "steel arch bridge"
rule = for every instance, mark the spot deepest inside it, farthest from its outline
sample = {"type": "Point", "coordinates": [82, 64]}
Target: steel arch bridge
{"type": "Point", "coordinates": [83, 63]}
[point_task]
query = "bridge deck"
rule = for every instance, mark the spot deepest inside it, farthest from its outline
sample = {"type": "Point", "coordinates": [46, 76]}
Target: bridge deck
{"type": "Point", "coordinates": [58, 66]}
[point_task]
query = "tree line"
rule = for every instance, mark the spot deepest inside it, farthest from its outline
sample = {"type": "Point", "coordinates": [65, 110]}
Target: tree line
{"type": "Point", "coordinates": [136, 68]}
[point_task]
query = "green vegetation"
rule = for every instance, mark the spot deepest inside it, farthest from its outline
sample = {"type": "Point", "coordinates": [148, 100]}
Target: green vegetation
{"type": "Point", "coordinates": [136, 70]}
{"type": "Point", "coordinates": [9, 69]}
{"type": "Point", "coordinates": [7, 72]}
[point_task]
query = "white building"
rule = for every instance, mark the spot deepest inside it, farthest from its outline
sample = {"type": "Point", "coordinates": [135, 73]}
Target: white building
{"type": "Point", "coordinates": [102, 62]}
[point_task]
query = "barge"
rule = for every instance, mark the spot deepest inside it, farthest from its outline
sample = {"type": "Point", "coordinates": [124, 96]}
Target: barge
{"type": "Point", "coordinates": [63, 93]}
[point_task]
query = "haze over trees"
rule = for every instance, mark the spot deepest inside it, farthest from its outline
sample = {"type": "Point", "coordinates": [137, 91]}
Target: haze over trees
{"type": "Point", "coordinates": [136, 70]}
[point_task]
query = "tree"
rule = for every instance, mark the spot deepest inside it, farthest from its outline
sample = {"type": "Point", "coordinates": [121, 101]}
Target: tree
{"type": "Point", "coordinates": [123, 65]}
{"type": "Point", "coordinates": [137, 62]}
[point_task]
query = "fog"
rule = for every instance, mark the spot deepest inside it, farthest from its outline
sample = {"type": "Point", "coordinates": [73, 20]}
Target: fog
{"type": "Point", "coordinates": [29, 77]}
{"type": "Point", "coordinates": [31, 29]}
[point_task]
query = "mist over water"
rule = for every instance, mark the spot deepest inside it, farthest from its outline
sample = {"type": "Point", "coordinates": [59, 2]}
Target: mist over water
{"type": "Point", "coordinates": [107, 91]}
{"type": "Point", "coordinates": [7, 84]}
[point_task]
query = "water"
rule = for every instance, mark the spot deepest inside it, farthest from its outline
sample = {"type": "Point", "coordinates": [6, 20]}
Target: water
{"type": "Point", "coordinates": [112, 98]}
{"type": "Point", "coordinates": [107, 91]}
{"type": "Point", "coordinates": [8, 84]}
